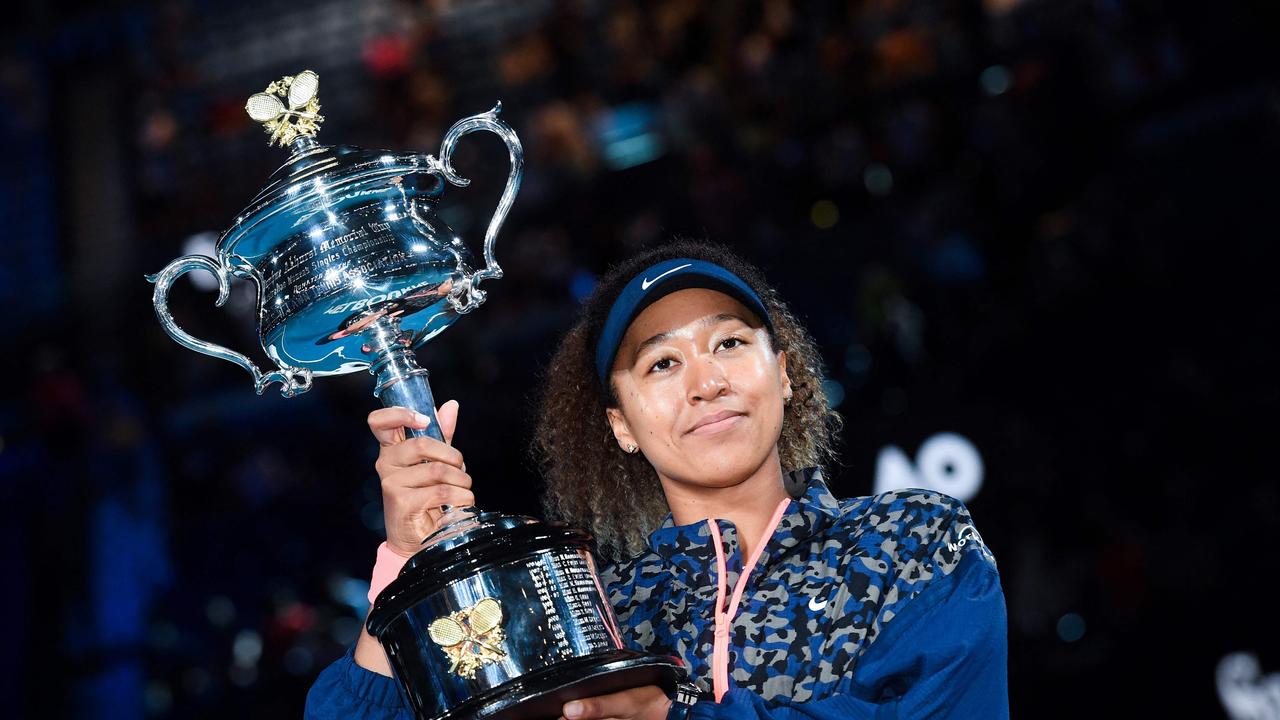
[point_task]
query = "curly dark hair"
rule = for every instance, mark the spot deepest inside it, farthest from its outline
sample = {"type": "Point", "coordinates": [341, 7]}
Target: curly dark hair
{"type": "Point", "coordinates": [590, 481]}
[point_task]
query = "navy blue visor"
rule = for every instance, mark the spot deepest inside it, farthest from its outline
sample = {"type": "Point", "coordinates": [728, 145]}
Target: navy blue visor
{"type": "Point", "coordinates": [657, 282]}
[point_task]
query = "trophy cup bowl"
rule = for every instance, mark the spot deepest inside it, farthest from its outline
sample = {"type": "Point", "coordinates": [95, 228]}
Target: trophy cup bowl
{"type": "Point", "coordinates": [347, 250]}
{"type": "Point", "coordinates": [497, 615]}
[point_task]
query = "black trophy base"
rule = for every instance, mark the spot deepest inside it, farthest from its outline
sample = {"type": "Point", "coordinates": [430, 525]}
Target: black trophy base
{"type": "Point", "coordinates": [541, 695]}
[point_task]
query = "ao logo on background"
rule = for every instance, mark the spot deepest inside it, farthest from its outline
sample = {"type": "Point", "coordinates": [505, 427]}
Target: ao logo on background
{"type": "Point", "coordinates": [1246, 693]}
{"type": "Point", "coordinates": [946, 462]}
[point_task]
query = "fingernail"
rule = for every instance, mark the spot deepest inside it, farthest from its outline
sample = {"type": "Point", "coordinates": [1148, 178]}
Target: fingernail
{"type": "Point", "coordinates": [573, 709]}
{"type": "Point", "coordinates": [421, 419]}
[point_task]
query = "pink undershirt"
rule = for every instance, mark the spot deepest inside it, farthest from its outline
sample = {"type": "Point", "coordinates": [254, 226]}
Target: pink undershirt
{"type": "Point", "coordinates": [724, 616]}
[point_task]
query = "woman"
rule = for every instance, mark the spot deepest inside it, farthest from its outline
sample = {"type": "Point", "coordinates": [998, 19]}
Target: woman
{"type": "Point", "coordinates": [671, 411]}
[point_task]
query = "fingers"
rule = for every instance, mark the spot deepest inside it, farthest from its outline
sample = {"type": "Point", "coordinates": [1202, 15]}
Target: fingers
{"type": "Point", "coordinates": [411, 501]}
{"type": "Point", "coordinates": [430, 498]}
{"type": "Point", "coordinates": [414, 513]}
{"type": "Point", "coordinates": [447, 416]}
{"type": "Point", "coordinates": [388, 424]}
{"type": "Point", "coordinates": [418, 474]}
{"type": "Point", "coordinates": [457, 497]}
{"type": "Point", "coordinates": [425, 475]}
{"type": "Point", "coordinates": [415, 451]}
{"type": "Point", "coordinates": [647, 701]}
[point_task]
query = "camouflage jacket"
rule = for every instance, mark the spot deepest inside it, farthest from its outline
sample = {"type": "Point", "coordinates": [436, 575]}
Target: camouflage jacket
{"type": "Point", "coordinates": [880, 606]}
{"type": "Point", "coordinates": [886, 606]}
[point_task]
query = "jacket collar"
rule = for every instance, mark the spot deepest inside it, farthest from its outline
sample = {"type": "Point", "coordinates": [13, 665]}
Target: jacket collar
{"type": "Point", "coordinates": [687, 550]}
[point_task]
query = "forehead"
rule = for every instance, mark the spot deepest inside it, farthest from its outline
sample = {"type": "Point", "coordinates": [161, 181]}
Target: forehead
{"type": "Point", "coordinates": [681, 308]}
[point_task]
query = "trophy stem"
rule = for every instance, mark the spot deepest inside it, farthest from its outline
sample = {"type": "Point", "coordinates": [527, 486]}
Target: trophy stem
{"type": "Point", "coordinates": [400, 380]}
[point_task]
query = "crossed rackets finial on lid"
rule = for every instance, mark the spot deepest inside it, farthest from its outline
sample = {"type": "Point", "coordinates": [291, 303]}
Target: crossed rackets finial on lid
{"type": "Point", "coordinates": [301, 118]}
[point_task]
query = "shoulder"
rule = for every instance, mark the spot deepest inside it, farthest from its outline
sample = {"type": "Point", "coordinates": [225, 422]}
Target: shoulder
{"type": "Point", "coordinates": [898, 505]}
{"type": "Point", "coordinates": [908, 537]}
{"type": "Point", "coordinates": [913, 519]}
{"type": "Point", "coordinates": [896, 547]}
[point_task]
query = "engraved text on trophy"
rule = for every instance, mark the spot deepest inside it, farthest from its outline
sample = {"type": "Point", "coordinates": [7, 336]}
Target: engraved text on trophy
{"type": "Point", "coordinates": [316, 263]}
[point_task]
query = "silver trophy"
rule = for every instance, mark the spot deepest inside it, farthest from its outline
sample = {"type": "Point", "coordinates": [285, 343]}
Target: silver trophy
{"type": "Point", "coordinates": [497, 615]}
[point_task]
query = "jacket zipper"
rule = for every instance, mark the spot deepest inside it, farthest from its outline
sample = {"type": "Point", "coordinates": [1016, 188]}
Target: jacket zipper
{"type": "Point", "coordinates": [724, 616]}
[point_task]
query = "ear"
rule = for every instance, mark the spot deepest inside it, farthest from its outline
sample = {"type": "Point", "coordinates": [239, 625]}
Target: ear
{"type": "Point", "coordinates": [621, 429]}
{"type": "Point", "coordinates": [782, 375]}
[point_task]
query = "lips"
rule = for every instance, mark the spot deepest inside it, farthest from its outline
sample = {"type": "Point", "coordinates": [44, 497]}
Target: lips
{"type": "Point", "coordinates": [715, 421]}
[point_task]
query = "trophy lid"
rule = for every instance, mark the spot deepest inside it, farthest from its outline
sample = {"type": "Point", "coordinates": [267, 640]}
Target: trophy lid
{"type": "Point", "coordinates": [315, 178]}
{"type": "Point", "coordinates": [463, 525]}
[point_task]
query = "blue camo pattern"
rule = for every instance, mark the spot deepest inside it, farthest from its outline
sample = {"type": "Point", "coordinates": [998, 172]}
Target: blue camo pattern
{"type": "Point", "coordinates": [831, 576]}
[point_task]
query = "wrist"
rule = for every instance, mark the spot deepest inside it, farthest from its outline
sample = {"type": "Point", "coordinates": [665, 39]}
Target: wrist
{"type": "Point", "coordinates": [386, 568]}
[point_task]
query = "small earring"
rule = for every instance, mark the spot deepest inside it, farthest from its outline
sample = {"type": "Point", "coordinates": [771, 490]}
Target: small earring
{"type": "Point", "coordinates": [632, 448]}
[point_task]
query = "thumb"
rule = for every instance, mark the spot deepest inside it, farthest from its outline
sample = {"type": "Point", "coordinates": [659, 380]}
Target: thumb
{"type": "Point", "coordinates": [447, 416]}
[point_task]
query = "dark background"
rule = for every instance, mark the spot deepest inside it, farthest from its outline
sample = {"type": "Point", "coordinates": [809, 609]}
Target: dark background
{"type": "Point", "coordinates": [1046, 225]}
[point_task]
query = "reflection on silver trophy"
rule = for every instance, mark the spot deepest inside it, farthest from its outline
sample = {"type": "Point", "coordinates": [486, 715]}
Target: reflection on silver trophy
{"type": "Point", "coordinates": [497, 615]}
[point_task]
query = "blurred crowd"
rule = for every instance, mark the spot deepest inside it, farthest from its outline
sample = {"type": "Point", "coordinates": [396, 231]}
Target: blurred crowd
{"type": "Point", "coordinates": [1043, 225]}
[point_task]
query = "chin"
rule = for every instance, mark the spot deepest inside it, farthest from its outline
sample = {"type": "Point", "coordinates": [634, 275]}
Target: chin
{"type": "Point", "coordinates": [725, 468]}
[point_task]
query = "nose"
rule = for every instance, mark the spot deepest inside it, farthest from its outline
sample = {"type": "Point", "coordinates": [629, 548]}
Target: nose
{"type": "Point", "coordinates": [706, 380]}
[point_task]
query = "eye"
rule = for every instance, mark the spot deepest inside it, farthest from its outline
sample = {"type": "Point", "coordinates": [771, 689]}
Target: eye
{"type": "Point", "coordinates": [661, 365]}
{"type": "Point", "coordinates": [730, 343]}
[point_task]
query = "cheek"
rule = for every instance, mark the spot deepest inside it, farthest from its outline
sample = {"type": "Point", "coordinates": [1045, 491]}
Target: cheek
{"type": "Point", "coordinates": [765, 395]}
{"type": "Point", "coordinates": [762, 378]}
{"type": "Point", "coordinates": [651, 414]}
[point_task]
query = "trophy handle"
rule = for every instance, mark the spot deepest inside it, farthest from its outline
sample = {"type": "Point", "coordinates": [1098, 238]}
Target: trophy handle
{"type": "Point", "coordinates": [467, 295]}
{"type": "Point", "coordinates": [292, 380]}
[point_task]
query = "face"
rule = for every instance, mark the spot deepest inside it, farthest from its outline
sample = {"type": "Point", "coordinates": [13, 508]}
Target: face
{"type": "Point", "coordinates": [700, 389]}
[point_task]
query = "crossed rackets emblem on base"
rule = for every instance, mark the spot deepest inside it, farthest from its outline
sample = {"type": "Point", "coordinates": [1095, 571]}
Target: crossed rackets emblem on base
{"type": "Point", "coordinates": [471, 637]}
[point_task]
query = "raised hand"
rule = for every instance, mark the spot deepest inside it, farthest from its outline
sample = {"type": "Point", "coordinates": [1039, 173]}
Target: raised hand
{"type": "Point", "coordinates": [418, 474]}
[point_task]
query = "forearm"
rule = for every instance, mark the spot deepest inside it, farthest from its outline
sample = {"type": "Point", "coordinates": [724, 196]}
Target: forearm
{"type": "Point", "coordinates": [369, 653]}
{"type": "Point", "coordinates": [346, 690]}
